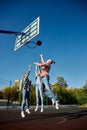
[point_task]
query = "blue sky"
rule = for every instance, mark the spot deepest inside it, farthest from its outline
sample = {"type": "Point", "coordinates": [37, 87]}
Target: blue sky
{"type": "Point", "coordinates": [63, 32]}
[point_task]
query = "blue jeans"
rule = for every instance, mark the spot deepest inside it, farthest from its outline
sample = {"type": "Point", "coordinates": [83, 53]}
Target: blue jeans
{"type": "Point", "coordinates": [48, 92]}
{"type": "Point", "coordinates": [38, 90]}
{"type": "Point", "coordinates": [25, 100]}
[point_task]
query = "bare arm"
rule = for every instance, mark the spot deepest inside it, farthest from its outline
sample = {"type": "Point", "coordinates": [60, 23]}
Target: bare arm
{"type": "Point", "coordinates": [37, 63]}
{"type": "Point", "coordinates": [42, 58]}
{"type": "Point", "coordinates": [40, 64]}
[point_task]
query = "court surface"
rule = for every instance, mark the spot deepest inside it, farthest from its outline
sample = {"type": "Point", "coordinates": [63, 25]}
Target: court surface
{"type": "Point", "coordinates": [50, 119]}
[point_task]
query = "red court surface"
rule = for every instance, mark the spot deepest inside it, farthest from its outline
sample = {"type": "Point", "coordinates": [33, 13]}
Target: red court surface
{"type": "Point", "coordinates": [50, 119]}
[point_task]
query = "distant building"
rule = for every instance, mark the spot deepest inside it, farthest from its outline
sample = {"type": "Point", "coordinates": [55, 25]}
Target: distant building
{"type": "Point", "coordinates": [17, 82]}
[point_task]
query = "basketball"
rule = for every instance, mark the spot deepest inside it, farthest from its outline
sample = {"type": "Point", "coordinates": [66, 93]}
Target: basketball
{"type": "Point", "coordinates": [39, 43]}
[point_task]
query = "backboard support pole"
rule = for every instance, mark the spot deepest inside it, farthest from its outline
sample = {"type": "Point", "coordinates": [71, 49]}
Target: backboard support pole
{"type": "Point", "coordinates": [12, 32]}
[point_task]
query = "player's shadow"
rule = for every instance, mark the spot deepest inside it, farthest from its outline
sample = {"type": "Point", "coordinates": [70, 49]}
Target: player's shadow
{"type": "Point", "coordinates": [77, 114]}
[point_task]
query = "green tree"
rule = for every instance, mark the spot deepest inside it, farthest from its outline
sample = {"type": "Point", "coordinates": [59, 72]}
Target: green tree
{"type": "Point", "coordinates": [14, 94]}
{"type": "Point", "coordinates": [81, 96]}
{"type": "Point", "coordinates": [1, 94]}
{"type": "Point", "coordinates": [7, 90]}
{"type": "Point", "coordinates": [64, 95]}
{"type": "Point", "coordinates": [85, 86]}
{"type": "Point", "coordinates": [62, 82]}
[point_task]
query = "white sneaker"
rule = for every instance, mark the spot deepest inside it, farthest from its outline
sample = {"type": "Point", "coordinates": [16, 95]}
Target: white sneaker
{"type": "Point", "coordinates": [57, 105]}
{"type": "Point", "coordinates": [36, 108]}
{"type": "Point", "coordinates": [41, 109]}
{"type": "Point", "coordinates": [22, 114]}
{"type": "Point", "coordinates": [52, 101]}
{"type": "Point", "coordinates": [27, 111]}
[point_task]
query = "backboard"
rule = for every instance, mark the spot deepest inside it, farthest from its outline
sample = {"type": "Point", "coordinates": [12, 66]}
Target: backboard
{"type": "Point", "coordinates": [28, 33]}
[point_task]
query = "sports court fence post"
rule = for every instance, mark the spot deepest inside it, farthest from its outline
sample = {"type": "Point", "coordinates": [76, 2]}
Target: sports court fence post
{"type": "Point", "coordinates": [9, 94]}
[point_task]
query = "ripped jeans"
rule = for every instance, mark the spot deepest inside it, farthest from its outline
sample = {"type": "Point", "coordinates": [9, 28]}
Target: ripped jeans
{"type": "Point", "coordinates": [48, 92]}
{"type": "Point", "coordinates": [25, 100]}
{"type": "Point", "coordinates": [38, 91]}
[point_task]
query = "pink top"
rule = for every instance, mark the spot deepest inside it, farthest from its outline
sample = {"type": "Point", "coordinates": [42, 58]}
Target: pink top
{"type": "Point", "coordinates": [45, 67]}
{"type": "Point", "coordinates": [45, 70]}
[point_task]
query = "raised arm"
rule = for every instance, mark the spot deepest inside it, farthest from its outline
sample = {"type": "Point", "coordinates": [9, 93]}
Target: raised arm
{"type": "Point", "coordinates": [29, 70]}
{"type": "Point", "coordinates": [42, 58]}
{"type": "Point", "coordinates": [37, 70]}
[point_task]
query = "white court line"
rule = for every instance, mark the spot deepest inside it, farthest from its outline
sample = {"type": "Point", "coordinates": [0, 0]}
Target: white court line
{"type": "Point", "coordinates": [61, 122]}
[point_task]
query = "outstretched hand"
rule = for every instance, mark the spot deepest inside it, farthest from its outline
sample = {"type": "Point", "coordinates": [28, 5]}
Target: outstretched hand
{"type": "Point", "coordinates": [30, 67]}
{"type": "Point", "coordinates": [41, 55]}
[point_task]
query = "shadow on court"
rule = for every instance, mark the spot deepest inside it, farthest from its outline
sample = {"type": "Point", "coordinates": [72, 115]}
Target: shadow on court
{"type": "Point", "coordinates": [50, 119]}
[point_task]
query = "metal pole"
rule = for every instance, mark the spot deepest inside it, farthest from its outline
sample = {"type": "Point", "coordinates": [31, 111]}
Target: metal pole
{"type": "Point", "coordinates": [11, 32]}
{"type": "Point", "coordinates": [9, 94]}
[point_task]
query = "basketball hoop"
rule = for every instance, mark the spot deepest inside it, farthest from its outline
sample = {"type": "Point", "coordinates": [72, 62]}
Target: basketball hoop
{"type": "Point", "coordinates": [33, 44]}
{"type": "Point", "coordinates": [26, 35]}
